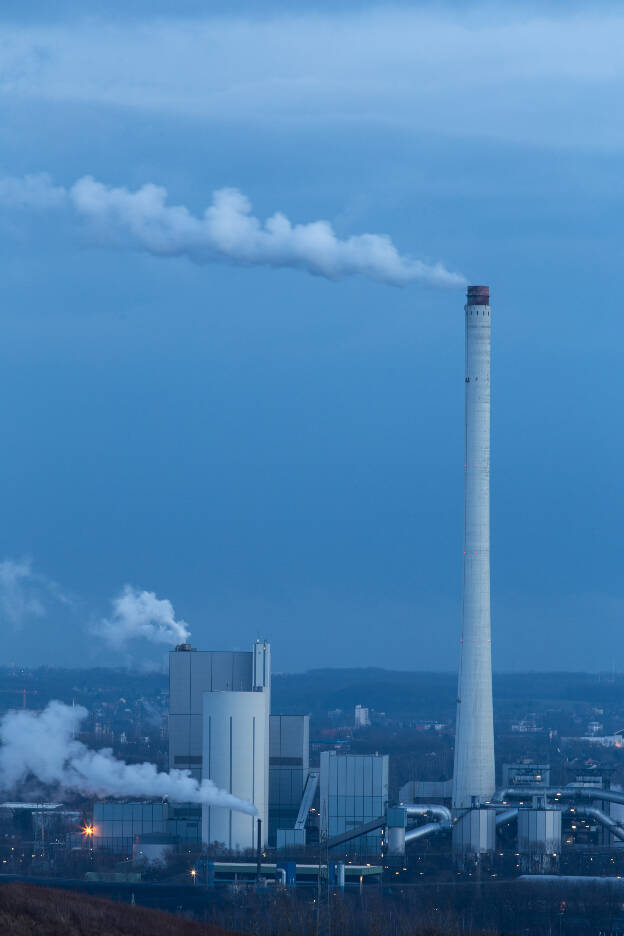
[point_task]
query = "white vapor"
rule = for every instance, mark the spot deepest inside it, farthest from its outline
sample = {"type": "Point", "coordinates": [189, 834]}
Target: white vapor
{"type": "Point", "coordinates": [141, 614]}
{"type": "Point", "coordinates": [26, 594]}
{"type": "Point", "coordinates": [31, 191]}
{"type": "Point", "coordinates": [226, 231]}
{"type": "Point", "coordinates": [43, 745]}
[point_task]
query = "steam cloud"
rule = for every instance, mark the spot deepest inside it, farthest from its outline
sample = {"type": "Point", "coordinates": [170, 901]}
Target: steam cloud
{"type": "Point", "coordinates": [43, 745]}
{"type": "Point", "coordinates": [26, 594]}
{"type": "Point", "coordinates": [17, 601]}
{"type": "Point", "coordinates": [141, 614]}
{"type": "Point", "coordinates": [227, 230]}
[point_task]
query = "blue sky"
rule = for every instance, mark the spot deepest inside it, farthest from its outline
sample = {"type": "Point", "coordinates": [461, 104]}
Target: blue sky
{"type": "Point", "coordinates": [277, 454]}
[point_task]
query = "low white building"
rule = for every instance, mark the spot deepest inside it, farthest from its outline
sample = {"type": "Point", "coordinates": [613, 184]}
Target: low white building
{"type": "Point", "coordinates": [362, 717]}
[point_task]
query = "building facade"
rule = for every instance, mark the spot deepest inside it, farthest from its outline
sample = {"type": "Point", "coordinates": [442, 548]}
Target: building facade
{"type": "Point", "coordinates": [118, 825]}
{"type": "Point", "coordinates": [289, 763]}
{"type": "Point", "coordinates": [362, 717]}
{"type": "Point", "coordinates": [194, 672]}
{"type": "Point", "coordinates": [219, 705]}
{"type": "Point", "coordinates": [354, 790]}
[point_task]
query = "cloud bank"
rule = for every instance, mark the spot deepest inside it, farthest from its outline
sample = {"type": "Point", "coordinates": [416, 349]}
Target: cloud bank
{"type": "Point", "coordinates": [227, 231]}
{"type": "Point", "coordinates": [43, 745]}
{"type": "Point", "coordinates": [517, 72]}
{"type": "Point", "coordinates": [140, 614]}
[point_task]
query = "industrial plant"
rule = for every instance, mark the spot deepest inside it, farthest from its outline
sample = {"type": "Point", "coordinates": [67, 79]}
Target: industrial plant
{"type": "Point", "coordinates": [336, 808]}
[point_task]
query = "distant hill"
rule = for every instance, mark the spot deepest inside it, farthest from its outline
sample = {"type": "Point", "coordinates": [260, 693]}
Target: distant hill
{"type": "Point", "coordinates": [397, 693]}
{"type": "Point", "coordinates": [401, 694]}
{"type": "Point", "coordinates": [428, 694]}
{"type": "Point", "coordinates": [26, 909]}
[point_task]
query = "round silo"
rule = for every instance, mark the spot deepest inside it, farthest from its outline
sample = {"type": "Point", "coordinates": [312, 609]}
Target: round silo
{"type": "Point", "coordinates": [235, 758]}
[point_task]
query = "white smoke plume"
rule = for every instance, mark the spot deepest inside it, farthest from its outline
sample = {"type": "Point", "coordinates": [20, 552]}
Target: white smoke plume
{"type": "Point", "coordinates": [43, 745]}
{"type": "Point", "coordinates": [26, 594]}
{"type": "Point", "coordinates": [140, 614]}
{"type": "Point", "coordinates": [226, 231]}
{"type": "Point", "coordinates": [31, 191]}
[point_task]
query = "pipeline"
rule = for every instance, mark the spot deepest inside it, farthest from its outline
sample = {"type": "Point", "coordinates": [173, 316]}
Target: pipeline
{"type": "Point", "coordinates": [411, 809]}
{"type": "Point", "coordinates": [573, 793]}
{"type": "Point", "coordinates": [591, 793]}
{"type": "Point", "coordinates": [350, 834]}
{"type": "Point", "coordinates": [506, 816]}
{"type": "Point", "coordinates": [423, 831]}
{"type": "Point", "coordinates": [427, 809]}
{"type": "Point", "coordinates": [440, 813]}
{"type": "Point", "coordinates": [615, 828]}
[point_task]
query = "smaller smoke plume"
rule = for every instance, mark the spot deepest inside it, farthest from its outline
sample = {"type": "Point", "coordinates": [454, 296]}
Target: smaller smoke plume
{"type": "Point", "coordinates": [42, 745]}
{"type": "Point", "coordinates": [31, 191]}
{"type": "Point", "coordinates": [227, 231]}
{"type": "Point", "coordinates": [140, 614]}
{"type": "Point", "coordinates": [26, 594]}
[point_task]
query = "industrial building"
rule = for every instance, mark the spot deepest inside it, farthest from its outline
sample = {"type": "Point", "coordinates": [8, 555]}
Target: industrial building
{"type": "Point", "coordinates": [289, 767]}
{"type": "Point", "coordinates": [236, 758]}
{"type": "Point", "coordinates": [219, 710]}
{"type": "Point", "coordinates": [362, 717]}
{"type": "Point", "coordinates": [221, 728]}
{"type": "Point", "coordinates": [118, 825]}
{"type": "Point", "coordinates": [354, 792]}
{"type": "Point", "coordinates": [526, 774]}
{"type": "Point", "coordinates": [526, 797]}
{"type": "Point", "coordinates": [194, 672]}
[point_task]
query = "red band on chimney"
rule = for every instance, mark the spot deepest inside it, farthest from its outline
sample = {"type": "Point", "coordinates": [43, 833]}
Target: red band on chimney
{"type": "Point", "coordinates": [478, 295]}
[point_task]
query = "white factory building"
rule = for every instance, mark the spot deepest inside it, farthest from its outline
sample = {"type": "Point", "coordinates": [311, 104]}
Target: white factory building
{"type": "Point", "coordinates": [220, 703]}
{"type": "Point", "coordinates": [220, 728]}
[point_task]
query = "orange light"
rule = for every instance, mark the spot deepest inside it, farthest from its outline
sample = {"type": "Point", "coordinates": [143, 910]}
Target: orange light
{"type": "Point", "coordinates": [193, 872]}
{"type": "Point", "coordinates": [88, 830]}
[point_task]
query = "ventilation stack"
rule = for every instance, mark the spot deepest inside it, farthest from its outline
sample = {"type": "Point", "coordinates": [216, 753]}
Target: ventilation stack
{"type": "Point", "coordinates": [473, 775]}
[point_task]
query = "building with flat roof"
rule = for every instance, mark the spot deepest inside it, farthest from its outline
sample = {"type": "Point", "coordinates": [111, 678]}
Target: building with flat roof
{"type": "Point", "coordinates": [219, 705]}
{"type": "Point", "coordinates": [354, 790]}
{"type": "Point", "coordinates": [194, 672]}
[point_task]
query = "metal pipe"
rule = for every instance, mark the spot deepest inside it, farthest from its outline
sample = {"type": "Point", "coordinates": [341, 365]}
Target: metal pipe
{"type": "Point", "coordinates": [615, 828]}
{"type": "Point", "coordinates": [591, 793]}
{"type": "Point", "coordinates": [356, 832]}
{"type": "Point", "coordinates": [424, 830]}
{"type": "Point", "coordinates": [427, 809]}
{"type": "Point", "coordinates": [259, 852]}
{"type": "Point", "coordinates": [506, 816]}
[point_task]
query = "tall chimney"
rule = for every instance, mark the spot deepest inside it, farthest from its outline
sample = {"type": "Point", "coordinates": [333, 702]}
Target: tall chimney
{"type": "Point", "coordinates": [473, 776]}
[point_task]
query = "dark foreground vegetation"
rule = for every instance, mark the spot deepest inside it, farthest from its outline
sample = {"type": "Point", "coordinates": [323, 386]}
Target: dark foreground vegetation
{"type": "Point", "coordinates": [561, 908]}
{"type": "Point", "coordinates": [460, 909]}
{"type": "Point", "coordinates": [283, 915]}
{"type": "Point", "coordinates": [28, 910]}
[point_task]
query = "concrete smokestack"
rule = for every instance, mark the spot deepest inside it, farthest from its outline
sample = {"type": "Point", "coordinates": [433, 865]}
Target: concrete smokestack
{"type": "Point", "coordinates": [473, 776]}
